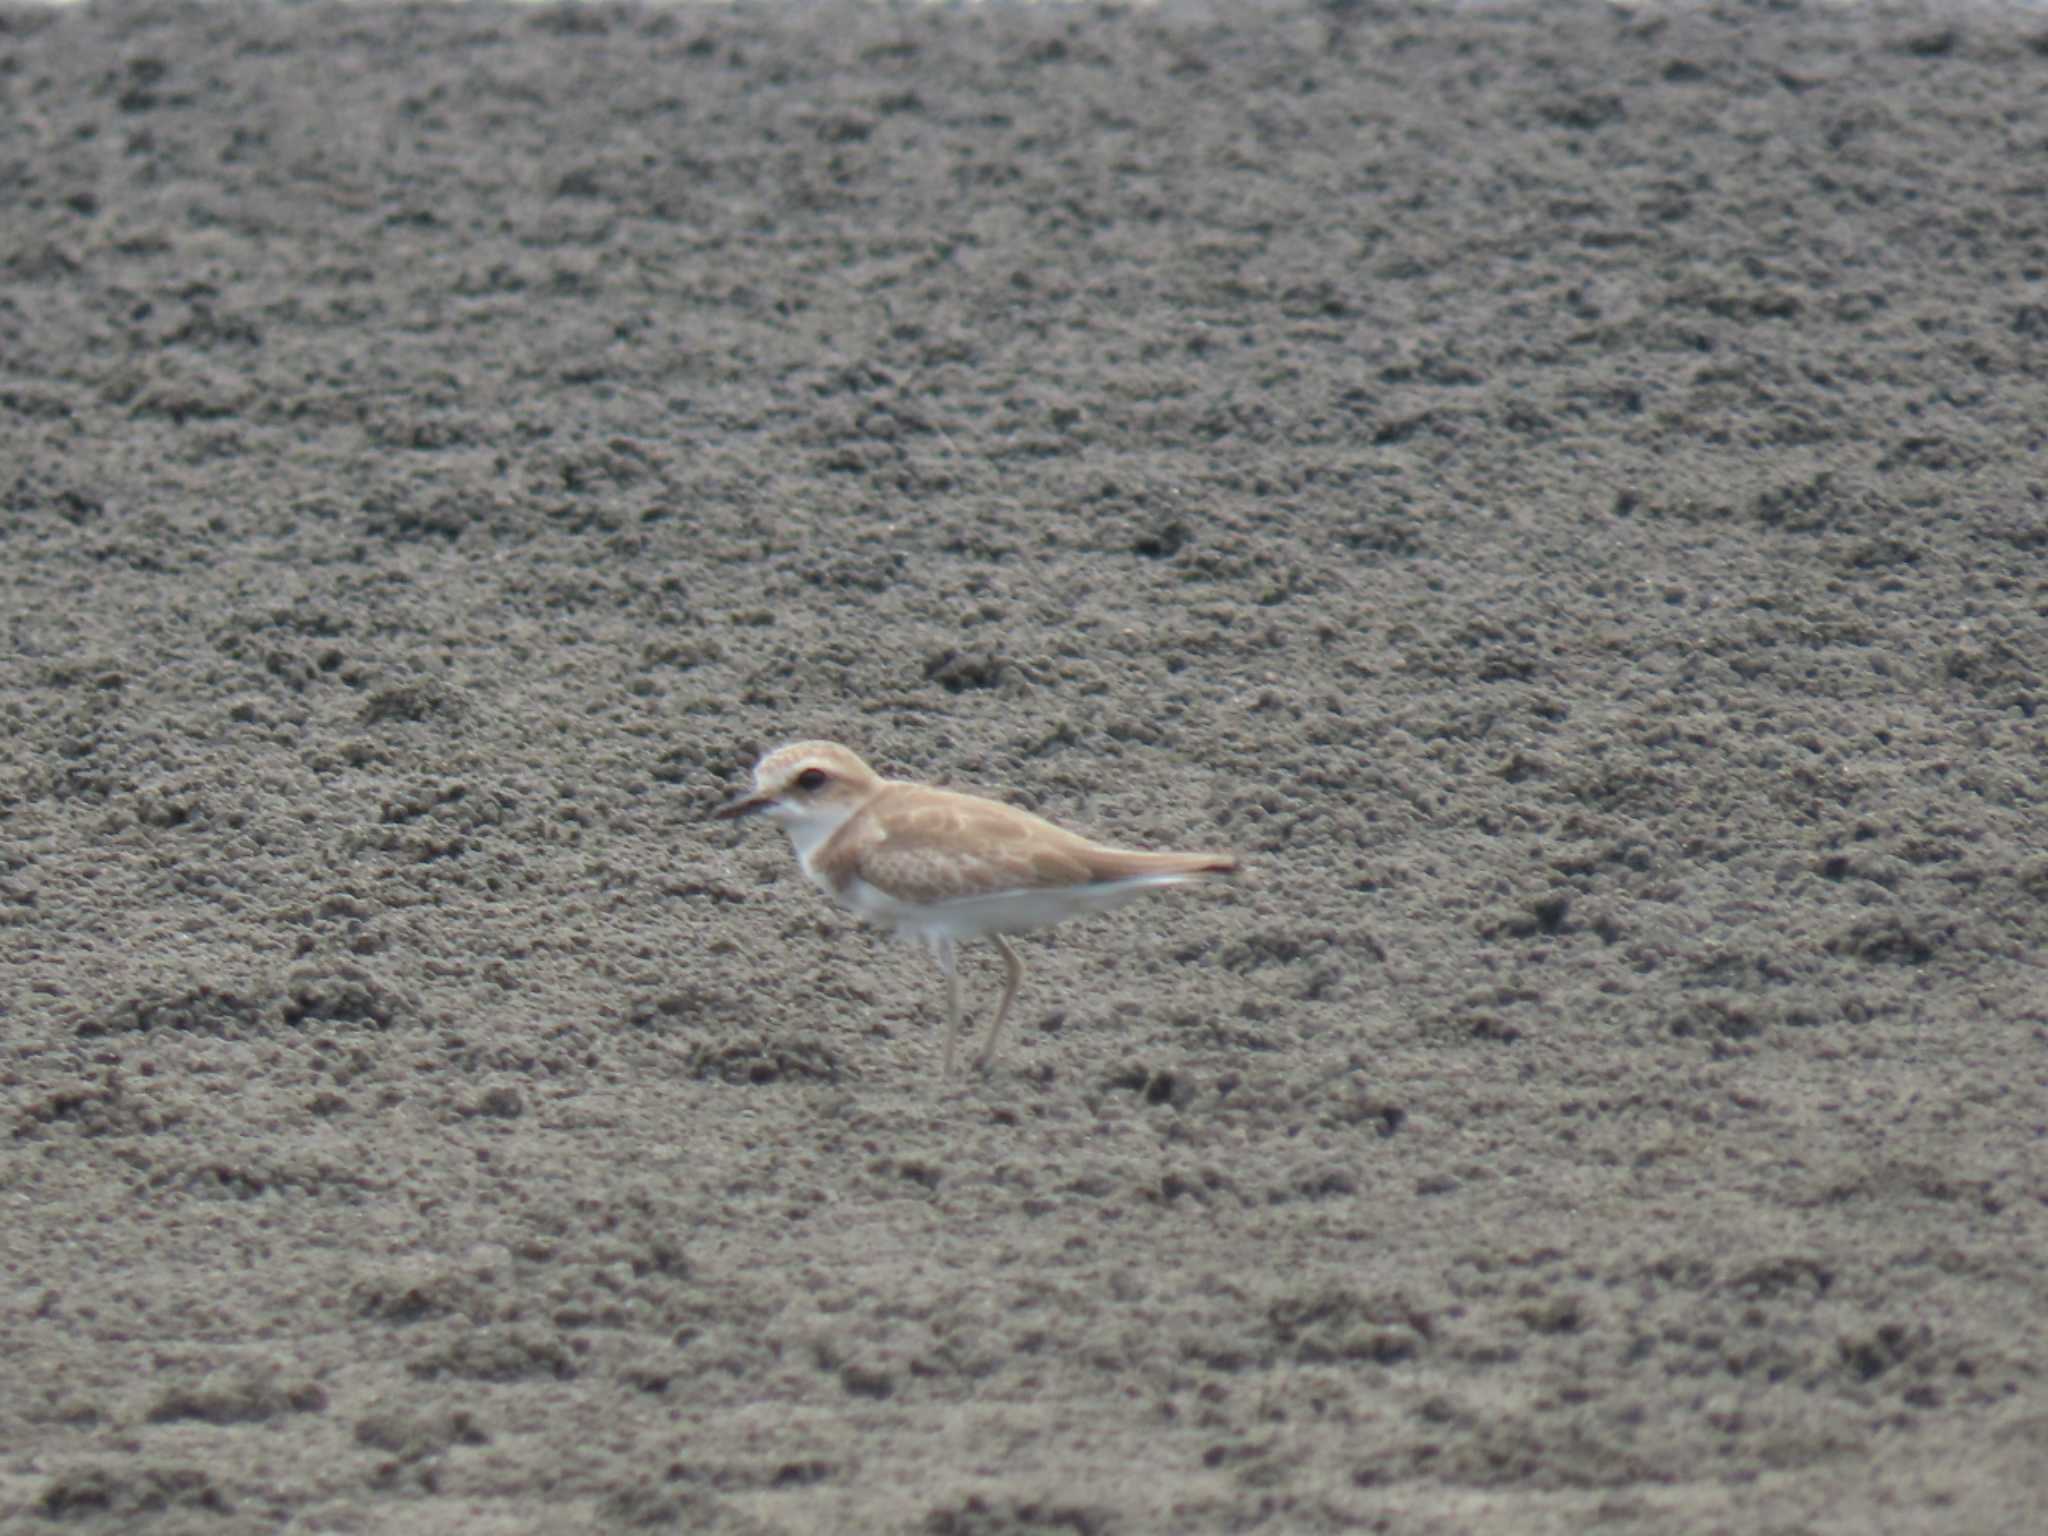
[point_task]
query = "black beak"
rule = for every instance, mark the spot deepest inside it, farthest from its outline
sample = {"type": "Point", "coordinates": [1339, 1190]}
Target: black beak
{"type": "Point", "coordinates": [746, 805]}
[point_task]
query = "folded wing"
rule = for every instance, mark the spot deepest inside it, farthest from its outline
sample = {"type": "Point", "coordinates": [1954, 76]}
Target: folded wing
{"type": "Point", "coordinates": [943, 848]}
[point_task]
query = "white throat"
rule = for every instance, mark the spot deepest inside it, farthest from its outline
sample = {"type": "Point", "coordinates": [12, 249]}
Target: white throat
{"type": "Point", "coordinates": [809, 829]}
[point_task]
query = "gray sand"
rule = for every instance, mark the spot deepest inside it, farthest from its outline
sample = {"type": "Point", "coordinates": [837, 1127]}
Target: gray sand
{"type": "Point", "coordinates": [1559, 491]}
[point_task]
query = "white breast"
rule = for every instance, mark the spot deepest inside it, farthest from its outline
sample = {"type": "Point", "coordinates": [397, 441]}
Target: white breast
{"type": "Point", "coordinates": [1018, 911]}
{"type": "Point", "coordinates": [809, 834]}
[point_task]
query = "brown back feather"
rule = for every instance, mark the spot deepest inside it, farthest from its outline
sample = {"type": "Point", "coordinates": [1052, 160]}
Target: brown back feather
{"type": "Point", "coordinates": [899, 849]}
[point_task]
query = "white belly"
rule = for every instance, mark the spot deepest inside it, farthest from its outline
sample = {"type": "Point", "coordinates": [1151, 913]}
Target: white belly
{"type": "Point", "coordinates": [973, 917]}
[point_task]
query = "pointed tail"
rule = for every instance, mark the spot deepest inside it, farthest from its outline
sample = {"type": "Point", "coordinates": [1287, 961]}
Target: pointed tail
{"type": "Point", "coordinates": [1128, 864]}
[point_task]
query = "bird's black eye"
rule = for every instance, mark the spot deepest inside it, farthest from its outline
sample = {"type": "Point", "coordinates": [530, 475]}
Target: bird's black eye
{"type": "Point", "coordinates": [811, 778]}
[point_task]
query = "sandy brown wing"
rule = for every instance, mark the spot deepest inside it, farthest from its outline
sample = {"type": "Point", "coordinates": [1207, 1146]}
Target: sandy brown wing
{"type": "Point", "coordinates": [928, 848]}
{"type": "Point", "coordinates": [925, 847]}
{"type": "Point", "coordinates": [1124, 863]}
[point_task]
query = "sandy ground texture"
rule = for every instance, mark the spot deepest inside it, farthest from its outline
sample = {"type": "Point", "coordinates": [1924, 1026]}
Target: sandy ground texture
{"type": "Point", "coordinates": [1559, 489]}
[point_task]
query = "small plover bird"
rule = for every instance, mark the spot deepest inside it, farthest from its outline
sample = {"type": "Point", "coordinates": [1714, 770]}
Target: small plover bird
{"type": "Point", "coordinates": [945, 867]}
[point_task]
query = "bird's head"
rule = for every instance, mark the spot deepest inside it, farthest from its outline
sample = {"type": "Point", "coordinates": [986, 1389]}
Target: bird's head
{"type": "Point", "coordinates": [810, 787]}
